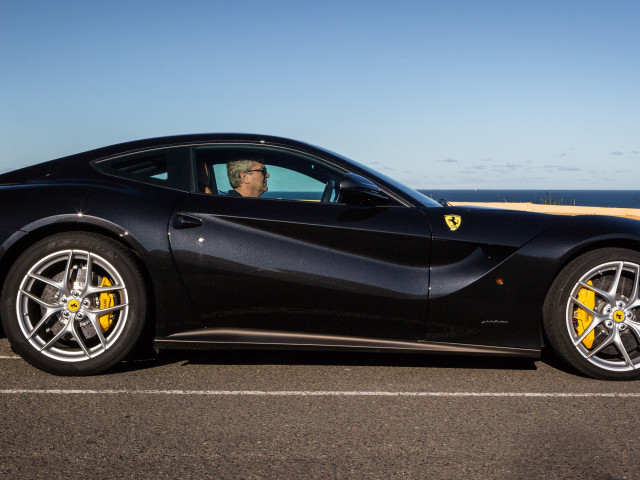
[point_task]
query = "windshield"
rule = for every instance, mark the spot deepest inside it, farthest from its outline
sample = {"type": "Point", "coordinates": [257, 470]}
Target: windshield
{"type": "Point", "coordinates": [409, 192]}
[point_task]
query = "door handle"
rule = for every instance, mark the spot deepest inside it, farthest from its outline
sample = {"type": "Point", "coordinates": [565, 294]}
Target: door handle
{"type": "Point", "coordinates": [182, 221]}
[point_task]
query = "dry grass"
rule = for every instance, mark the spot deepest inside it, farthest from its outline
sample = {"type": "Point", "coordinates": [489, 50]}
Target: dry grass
{"type": "Point", "coordinates": [633, 213]}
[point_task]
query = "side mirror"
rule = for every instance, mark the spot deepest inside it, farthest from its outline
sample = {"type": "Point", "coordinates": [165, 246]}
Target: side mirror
{"type": "Point", "coordinates": [357, 190]}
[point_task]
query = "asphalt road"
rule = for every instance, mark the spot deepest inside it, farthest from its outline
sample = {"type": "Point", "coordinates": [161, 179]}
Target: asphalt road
{"type": "Point", "coordinates": [238, 414]}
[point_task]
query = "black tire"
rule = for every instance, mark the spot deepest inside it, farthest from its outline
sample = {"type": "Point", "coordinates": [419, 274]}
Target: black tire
{"type": "Point", "coordinates": [592, 314]}
{"type": "Point", "coordinates": [62, 323]}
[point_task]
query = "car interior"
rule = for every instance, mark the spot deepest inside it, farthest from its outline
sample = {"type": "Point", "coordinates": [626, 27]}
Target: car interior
{"type": "Point", "coordinates": [291, 176]}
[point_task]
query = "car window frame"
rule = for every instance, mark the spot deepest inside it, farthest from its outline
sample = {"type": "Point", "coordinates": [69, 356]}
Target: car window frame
{"type": "Point", "coordinates": [179, 176]}
{"type": "Point", "coordinates": [397, 201]}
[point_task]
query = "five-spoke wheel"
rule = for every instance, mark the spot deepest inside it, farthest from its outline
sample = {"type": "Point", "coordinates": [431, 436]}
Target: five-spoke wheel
{"type": "Point", "coordinates": [74, 303]}
{"type": "Point", "coordinates": [592, 314]}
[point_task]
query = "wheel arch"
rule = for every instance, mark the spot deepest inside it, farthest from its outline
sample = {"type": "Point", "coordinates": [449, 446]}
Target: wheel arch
{"type": "Point", "coordinates": [47, 227]}
{"type": "Point", "coordinates": [580, 250]}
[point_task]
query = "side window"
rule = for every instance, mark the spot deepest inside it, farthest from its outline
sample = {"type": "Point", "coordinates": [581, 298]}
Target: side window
{"type": "Point", "coordinates": [288, 176]}
{"type": "Point", "coordinates": [293, 185]}
{"type": "Point", "coordinates": [167, 168]}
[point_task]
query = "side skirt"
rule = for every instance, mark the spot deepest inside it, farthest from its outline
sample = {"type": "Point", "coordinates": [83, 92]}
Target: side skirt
{"type": "Point", "coordinates": [220, 338]}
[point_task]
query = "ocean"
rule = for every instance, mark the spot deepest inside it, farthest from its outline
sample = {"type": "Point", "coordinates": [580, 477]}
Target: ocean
{"type": "Point", "coordinates": [587, 198]}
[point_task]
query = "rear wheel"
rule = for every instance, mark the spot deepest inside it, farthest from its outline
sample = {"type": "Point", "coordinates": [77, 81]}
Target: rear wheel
{"type": "Point", "coordinates": [592, 314]}
{"type": "Point", "coordinates": [74, 304]}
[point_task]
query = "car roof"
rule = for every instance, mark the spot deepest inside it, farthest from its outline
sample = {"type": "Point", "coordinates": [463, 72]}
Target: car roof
{"type": "Point", "coordinates": [79, 162]}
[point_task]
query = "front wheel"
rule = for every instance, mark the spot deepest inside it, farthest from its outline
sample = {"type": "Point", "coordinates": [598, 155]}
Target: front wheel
{"type": "Point", "coordinates": [74, 304]}
{"type": "Point", "coordinates": [592, 314]}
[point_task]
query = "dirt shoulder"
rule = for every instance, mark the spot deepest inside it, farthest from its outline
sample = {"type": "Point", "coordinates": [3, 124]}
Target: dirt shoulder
{"type": "Point", "coordinates": [633, 213]}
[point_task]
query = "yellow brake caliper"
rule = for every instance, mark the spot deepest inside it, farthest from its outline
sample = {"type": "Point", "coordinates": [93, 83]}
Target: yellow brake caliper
{"type": "Point", "coordinates": [107, 300]}
{"type": "Point", "coordinates": [587, 298]}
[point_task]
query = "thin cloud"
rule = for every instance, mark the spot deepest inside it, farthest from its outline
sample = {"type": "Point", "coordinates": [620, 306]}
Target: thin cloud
{"type": "Point", "coordinates": [506, 167]}
{"type": "Point", "coordinates": [561, 168]}
{"type": "Point", "coordinates": [512, 166]}
{"type": "Point", "coordinates": [447, 160]}
{"type": "Point", "coordinates": [568, 169]}
{"type": "Point", "coordinates": [564, 152]}
{"type": "Point", "coordinates": [631, 153]}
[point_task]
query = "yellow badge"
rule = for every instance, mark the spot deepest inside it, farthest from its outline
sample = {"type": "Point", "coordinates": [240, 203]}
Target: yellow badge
{"type": "Point", "coordinates": [618, 315]}
{"type": "Point", "coordinates": [453, 221]}
{"type": "Point", "coordinates": [73, 305]}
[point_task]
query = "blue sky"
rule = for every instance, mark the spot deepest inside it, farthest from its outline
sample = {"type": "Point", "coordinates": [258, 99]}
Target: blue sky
{"type": "Point", "coordinates": [443, 94]}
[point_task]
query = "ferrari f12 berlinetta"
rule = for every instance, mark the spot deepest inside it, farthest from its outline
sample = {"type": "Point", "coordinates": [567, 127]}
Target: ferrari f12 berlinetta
{"type": "Point", "coordinates": [97, 246]}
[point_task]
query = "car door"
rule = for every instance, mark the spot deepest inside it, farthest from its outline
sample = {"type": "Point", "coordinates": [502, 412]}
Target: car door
{"type": "Point", "coordinates": [288, 263]}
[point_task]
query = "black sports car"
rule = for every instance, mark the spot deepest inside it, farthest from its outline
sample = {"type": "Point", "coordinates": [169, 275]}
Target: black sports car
{"type": "Point", "coordinates": [325, 254]}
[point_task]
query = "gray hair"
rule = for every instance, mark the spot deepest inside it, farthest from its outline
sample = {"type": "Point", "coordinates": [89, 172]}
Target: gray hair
{"type": "Point", "coordinates": [236, 167]}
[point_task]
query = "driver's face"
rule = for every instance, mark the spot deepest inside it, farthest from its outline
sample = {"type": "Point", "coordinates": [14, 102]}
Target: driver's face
{"type": "Point", "coordinates": [257, 179]}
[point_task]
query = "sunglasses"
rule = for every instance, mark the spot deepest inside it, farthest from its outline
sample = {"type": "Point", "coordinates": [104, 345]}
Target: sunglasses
{"type": "Point", "coordinates": [263, 170]}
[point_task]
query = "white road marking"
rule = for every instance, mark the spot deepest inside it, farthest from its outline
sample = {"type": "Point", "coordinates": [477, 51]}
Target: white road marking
{"type": "Point", "coordinates": [311, 393]}
{"type": "Point", "coordinates": [9, 357]}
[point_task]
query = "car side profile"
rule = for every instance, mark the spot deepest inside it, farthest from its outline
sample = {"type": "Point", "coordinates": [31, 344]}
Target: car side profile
{"type": "Point", "coordinates": [99, 247]}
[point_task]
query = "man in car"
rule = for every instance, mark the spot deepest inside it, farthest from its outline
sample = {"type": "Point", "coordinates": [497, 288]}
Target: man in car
{"type": "Point", "coordinates": [248, 177]}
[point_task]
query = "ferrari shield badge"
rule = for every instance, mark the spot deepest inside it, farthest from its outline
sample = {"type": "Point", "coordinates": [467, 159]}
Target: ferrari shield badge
{"type": "Point", "coordinates": [453, 221]}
